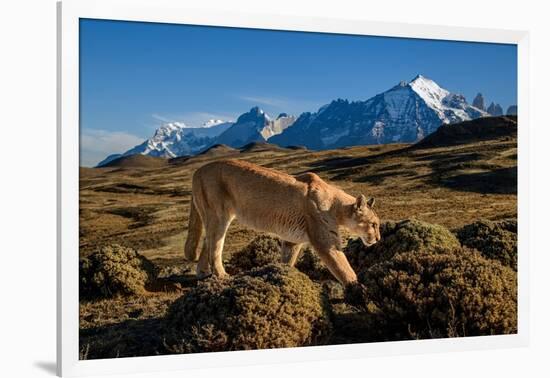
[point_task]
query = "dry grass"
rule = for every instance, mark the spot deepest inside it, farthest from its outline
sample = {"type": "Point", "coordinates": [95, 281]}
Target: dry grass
{"type": "Point", "coordinates": [451, 186]}
{"type": "Point", "coordinates": [124, 326]}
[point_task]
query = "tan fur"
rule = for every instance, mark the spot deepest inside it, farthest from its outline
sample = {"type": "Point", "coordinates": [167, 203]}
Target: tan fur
{"type": "Point", "coordinates": [299, 209]}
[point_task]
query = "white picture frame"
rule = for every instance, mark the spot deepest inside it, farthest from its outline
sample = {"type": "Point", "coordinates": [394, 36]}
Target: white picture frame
{"type": "Point", "coordinates": [166, 11]}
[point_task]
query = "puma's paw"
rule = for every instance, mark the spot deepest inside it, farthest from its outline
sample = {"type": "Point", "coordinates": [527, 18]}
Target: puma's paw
{"type": "Point", "coordinates": [356, 295]}
{"type": "Point", "coordinates": [203, 275]}
{"type": "Point", "coordinates": [223, 276]}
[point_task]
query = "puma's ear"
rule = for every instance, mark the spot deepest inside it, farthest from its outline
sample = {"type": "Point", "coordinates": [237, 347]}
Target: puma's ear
{"type": "Point", "coordinates": [370, 202]}
{"type": "Point", "coordinates": [361, 202]}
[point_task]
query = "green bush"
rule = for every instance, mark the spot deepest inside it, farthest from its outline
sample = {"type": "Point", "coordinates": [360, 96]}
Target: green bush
{"type": "Point", "coordinates": [263, 250]}
{"type": "Point", "coordinates": [422, 294]}
{"type": "Point", "coordinates": [399, 237]}
{"type": "Point", "coordinates": [495, 240]}
{"type": "Point", "coordinates": [274, 306]}
{"type": "Point", "coordinates": [115, 270]}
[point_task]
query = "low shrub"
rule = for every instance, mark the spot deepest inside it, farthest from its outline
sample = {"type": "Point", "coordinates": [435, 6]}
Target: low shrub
{"type": "Point", "coordinates": [115, 270]}
{"type": "Point", "coordinates": [274, 306]}
{"type": "Point", "coordinates": [399, 237]}
{"type": "Point", "coordinates": [422, 294]}
{"type": "Point", "coordinates": [263, 250]}
{"type": "Point", "coordinates": [495, 240]}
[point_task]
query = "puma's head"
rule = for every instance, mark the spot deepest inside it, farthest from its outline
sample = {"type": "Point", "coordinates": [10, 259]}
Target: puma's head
{"type": "Point", "coordinates": [364, 222]}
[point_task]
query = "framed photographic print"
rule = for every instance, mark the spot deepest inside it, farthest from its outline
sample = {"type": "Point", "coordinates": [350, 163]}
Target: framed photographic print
{"type": "Point", "coordinates": [238, 188]}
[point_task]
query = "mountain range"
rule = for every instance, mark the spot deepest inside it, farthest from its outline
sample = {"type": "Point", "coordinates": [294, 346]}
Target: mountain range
{"type": "Point", "coordinates": [176, 139]}
{"type": "Point", "coordinates": [493, 109]}
{"type": "Point", "coordinates": [254, 126]}
{"type": "Point", "coordinates": [405, 113]}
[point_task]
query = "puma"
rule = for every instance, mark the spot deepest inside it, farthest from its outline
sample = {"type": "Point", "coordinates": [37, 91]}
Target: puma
{"type": "Point", "coordinates": [298, 209]}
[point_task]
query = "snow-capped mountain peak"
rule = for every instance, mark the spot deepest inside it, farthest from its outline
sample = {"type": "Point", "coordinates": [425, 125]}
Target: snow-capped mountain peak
{"type": "Point", "coordinates": [428, 90]}
{"type": "Point", "coordinates": [406, 112]}
{"type": "Point", "coordinates": [256, 111]}
{"type": "Point", "coordinates": [213, 122]}
{"type": "Point", "coordinates": [254, 126]}
{"type": "Point", "coordinates": [175, 139]}
{"type": "Point", "coordinates": [169, 128]}
{"type": "Point", "coordinates": [449, 107]}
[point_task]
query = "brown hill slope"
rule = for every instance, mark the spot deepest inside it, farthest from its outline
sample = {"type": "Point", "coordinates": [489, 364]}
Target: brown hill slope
{"type": "Point", "coordinates": [137, 161]}
{"type": "Point", "coordinates": [261, 147]}
{"type": "Point", "coordinates": [218, 150]}
{"type": "Point", "coordinates": [486, 128]}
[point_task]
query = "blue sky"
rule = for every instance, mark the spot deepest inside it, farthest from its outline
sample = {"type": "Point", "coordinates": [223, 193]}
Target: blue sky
{"type": "Point", "coordinates": [135, 76]}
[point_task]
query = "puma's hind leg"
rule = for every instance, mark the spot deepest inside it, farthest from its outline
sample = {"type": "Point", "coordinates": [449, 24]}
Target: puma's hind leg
{"type": "Point", "coordinates": [203, 266]}
{"type": "Point", "coordinates": [290, 252]}
{"type": "Point", "coordinates": [215, 238]}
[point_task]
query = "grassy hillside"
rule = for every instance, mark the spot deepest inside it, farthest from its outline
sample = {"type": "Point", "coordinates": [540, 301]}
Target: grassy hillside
{"type": "Point", "coordinates": [136, 161]}
{"type": "Point", "coordinates": [452, 178]}
{"type": "Point", "coordinates": [147, 207]}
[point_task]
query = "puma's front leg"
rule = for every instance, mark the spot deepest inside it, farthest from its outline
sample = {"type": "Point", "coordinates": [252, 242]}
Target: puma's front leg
{"type": "Point", "coordinates": [355, 293]}
{"type": "Point", "coordinates": [338, 264]}
{"type": "Point", "coordinates": [291, 252]}
{"type": "Point", "coordinates": [324, 237]}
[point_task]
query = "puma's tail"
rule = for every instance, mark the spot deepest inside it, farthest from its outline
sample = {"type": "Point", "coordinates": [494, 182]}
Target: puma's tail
{"type": "Point", "coordinates": [194, 234]}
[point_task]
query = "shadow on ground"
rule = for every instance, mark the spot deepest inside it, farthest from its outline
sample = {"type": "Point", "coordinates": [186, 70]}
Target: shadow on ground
{"type": "Point", "coordinates": [499, 181]}
{"type": "Point", "coordinates": [132, 337]}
